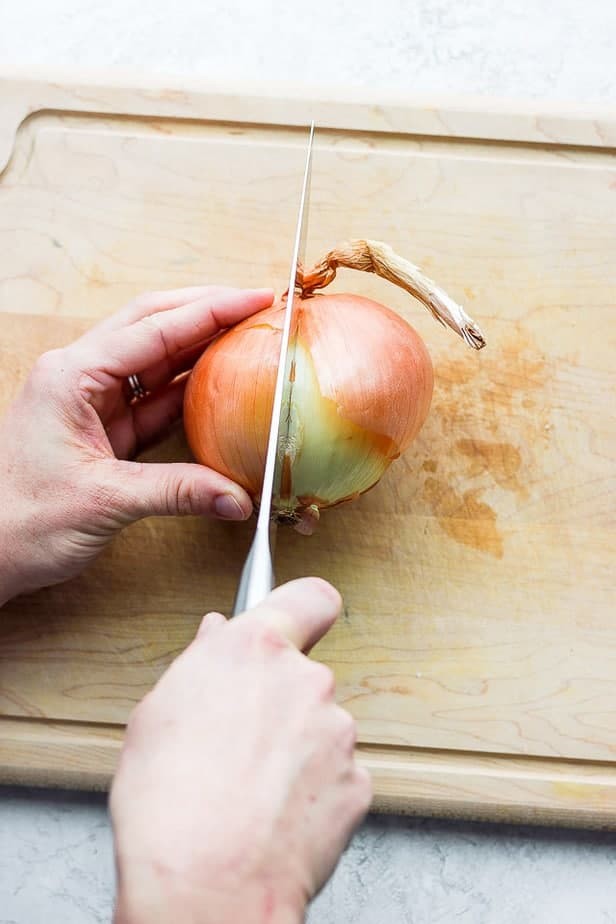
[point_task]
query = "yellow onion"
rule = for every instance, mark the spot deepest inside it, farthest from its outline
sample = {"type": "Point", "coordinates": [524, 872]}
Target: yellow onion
{"type": "Point", "coordinates": [359, 389]}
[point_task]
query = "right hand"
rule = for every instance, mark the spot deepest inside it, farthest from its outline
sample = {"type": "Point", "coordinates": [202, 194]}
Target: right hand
{"type": "Point", "coordinates": [237, 789]}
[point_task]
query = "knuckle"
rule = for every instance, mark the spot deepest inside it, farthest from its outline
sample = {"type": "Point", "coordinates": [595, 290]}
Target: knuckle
{"type": "Point", "coordinates": [346, 727]}
{"type": "Point", "coordinates": [323, 680]}
{"type": "Point", "coordinates": [210, 623]}
{"type": "Point", "coordinates": [151, 324]}
{"type": "Point", "coordinates": [267, 638]}
{"type": "Point", "coordinates": [363, 787]}
{"type": "Point", "coordinates": [50, 369]}
{"type": "Point", "coordinates": [50, 360]}
{"type": "Point", "coordinates": [180, 498]}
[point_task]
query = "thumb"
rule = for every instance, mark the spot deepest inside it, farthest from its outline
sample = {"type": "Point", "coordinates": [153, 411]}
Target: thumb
{"type": "Point", "coordinates": [303, 611]}
{"type": "Point", "coordinates": [179, 489]}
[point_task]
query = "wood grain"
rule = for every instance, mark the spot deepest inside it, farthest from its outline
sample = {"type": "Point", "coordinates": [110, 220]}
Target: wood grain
{"type": "Point", "coordinates": [478, 644]}
{"type": "Point", "coordinates": [407, 780]}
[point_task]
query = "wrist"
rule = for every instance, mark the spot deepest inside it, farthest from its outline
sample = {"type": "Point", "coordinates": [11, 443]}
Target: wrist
{"type": "Point", "coordinates": [129, 911]}
{"type": "Point", "coordinates": [160, 899]}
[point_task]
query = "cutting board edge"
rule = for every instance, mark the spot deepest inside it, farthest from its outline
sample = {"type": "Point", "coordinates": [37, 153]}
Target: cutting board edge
{"type": "Point", "coordinates": [356, 109]}
{"type": "Point", "coordinates": [444, 784]}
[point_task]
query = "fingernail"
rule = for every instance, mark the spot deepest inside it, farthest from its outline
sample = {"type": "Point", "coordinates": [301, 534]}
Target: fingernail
{"type": "Point", "coordinates": [310, 593]}
{"type": "Point", "coordinates": [227, 508]}
{"type": "Point", "coordinates": [326, 589]}
{"type": "Point", "coordinates": [317, 587]}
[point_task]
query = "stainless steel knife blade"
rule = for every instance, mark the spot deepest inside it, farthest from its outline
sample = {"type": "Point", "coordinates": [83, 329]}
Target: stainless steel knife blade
{"type": "Point", "coordinates": [257, 578]}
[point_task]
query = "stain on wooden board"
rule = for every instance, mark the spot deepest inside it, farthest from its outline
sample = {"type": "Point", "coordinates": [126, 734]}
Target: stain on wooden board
{"type": "Point", "coordinates": [500, 386]}
{"type": "Point", "coordinates": [464, 517]}
{"type": "Point", "coordinates": [502, 460]}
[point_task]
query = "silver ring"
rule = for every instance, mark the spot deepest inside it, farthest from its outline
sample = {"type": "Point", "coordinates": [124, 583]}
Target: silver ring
{"type": "Point", "coordinates": [136, 388]}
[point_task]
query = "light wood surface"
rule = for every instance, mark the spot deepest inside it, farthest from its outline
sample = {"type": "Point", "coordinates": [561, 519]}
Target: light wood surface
{"type": "Point", "coordinates": [478, 644]}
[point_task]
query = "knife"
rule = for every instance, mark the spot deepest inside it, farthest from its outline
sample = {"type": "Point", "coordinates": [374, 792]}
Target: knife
{"type": "Point", "coordinates": [257, 578]}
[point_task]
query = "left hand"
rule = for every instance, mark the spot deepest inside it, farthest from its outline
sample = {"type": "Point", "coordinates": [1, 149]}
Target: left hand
{"type": "Point", "coordinates": [66, 440]}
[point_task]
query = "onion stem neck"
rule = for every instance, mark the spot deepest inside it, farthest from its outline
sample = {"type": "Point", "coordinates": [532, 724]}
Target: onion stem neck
{"type": "Point", "coordinates": [379, 258]}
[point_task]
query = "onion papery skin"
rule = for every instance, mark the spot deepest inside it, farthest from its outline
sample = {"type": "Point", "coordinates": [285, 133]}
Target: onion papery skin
{"type": "Point", "coordinates": [359, 392]}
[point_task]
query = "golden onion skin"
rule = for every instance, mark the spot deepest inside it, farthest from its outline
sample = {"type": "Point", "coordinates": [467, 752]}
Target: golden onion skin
{"type": "Point", "coordinates": [361, 389]}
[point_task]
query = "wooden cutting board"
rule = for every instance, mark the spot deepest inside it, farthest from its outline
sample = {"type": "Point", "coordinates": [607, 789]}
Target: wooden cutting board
{"type": "Point", "coordinates": [478, 643]}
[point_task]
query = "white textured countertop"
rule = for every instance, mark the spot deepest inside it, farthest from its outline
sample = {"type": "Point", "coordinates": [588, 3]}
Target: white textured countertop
{"type": "Point", "coordinates": [55, 848]}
